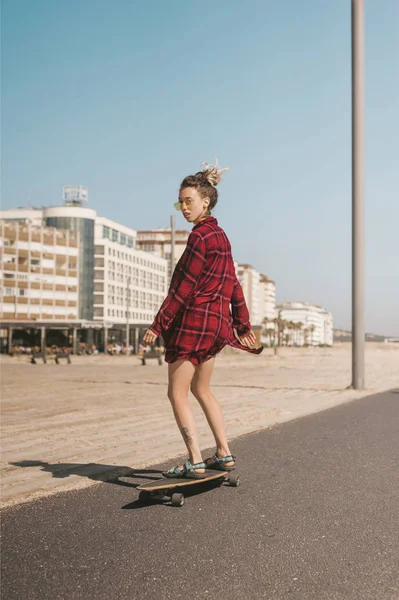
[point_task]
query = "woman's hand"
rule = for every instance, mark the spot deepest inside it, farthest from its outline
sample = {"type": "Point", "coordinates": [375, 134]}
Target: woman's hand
{"type": "Point", "coordinates": [149, 338]}
{"type": "Point", "coordinates": [248, 339]}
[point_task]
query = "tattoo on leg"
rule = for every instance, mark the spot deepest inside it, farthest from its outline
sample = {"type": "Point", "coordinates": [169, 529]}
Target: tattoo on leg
{"type": "Point", "coordinates": [187, 436]}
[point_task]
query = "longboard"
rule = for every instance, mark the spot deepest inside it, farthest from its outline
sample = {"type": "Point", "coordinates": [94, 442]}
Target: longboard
{"type": "Point", "coordinates": [162, 490]}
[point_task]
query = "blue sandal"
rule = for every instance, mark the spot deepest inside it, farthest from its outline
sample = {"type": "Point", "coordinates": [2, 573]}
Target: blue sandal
{"type": "Point", "coordinates": [187, 471]}
{"type": "Point", "coordinates": [218, 464]}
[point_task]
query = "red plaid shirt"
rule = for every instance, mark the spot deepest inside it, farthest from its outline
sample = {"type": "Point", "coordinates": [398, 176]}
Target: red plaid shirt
{"type": "Point", "coordinates": [195, 319]}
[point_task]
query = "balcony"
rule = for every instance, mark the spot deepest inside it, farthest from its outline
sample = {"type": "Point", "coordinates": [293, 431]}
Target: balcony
{"type": "Point", "coordinates": [9, 266]}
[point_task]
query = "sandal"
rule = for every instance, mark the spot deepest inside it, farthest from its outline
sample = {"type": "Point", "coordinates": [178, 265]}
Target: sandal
{"type": "Point", "coordinates": [187, 471]}
{"type": "Point", "coordinates": [218, 464]}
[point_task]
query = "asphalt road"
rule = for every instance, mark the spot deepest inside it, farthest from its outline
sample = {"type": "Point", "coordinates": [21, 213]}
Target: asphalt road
{"type": "Point", "coordinates": [316, 517]}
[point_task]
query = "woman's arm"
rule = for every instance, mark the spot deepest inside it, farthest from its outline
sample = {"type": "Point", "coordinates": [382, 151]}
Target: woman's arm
{"type": "Point", "coordinates": [190, 267]}
{"type": "Point", "coordinates": [239, 310]}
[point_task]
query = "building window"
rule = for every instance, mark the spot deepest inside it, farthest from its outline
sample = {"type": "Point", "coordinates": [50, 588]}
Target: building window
{"type": "Point", "coordinates": [123, 239]}
{"type": "Point", "coordinates": [114, 235]}
{"type": "Point", "coordinates": [22, 292]}
{"type": "Point", "coordinates": [105, 232]}
{"type": "Point", "coordinates": [129, 241]}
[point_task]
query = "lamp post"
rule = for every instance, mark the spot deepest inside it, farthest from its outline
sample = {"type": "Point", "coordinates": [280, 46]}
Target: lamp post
{"type": "Point", "coordinates": [172, 245]}
{"type": "Point", "coordinates": [127, 312]}
{"type": "Point", "coordinates": [358, 331]}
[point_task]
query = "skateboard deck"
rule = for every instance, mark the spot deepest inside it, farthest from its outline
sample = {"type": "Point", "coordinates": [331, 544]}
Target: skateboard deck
{"type": "Point", "coordinates": [162, 490]}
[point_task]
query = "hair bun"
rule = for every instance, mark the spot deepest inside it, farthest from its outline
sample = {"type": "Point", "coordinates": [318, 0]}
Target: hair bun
{"type": "Point", "coordinates": [212, 173]}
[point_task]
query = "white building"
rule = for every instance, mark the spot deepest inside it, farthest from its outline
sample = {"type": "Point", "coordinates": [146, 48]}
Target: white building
{"type": "Point", "coordinates": [38, 273]}
{"type": "Point", "coordinates": [74, 218]}
{"type": "Point", "coordinates": [316, 323]}
{"type": "Point", "coordinates": [129, 284]}
{"type": "Point", "coordinates": [158, 241]}
{"type": "Point", "coordinates": [267, 301]}
{"type": "Point", "coordinates": [249, 279]}
{"type": "Point", "coordinates": [109, 263]}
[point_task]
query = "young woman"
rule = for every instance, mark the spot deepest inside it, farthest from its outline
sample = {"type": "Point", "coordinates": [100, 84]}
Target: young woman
{"type": "Point", "coordinates": [196, 322]}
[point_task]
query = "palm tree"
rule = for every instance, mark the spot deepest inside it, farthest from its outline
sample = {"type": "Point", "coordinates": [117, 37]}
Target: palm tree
{"type": "Point", "coordinates": [281, 324]}
{"type": "Point", "coordinates": [299, 327]}
{"type": "Point", "coordinates": [311, 328]}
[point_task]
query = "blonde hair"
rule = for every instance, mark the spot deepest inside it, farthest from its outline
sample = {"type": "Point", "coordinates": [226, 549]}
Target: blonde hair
{"type": "Point", "coordinates": [212, 173]}
{"type": "Point", "coordinates": [205, 182]}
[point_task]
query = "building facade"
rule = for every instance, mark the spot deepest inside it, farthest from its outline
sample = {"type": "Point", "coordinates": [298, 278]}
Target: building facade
{"type": "Point", "coordinates": [158, 242]}
{"type": "Point", "coordinates": [249, 279]}
{"type": "Point", "coordinates": [316, 323]}
{"type": "Point", "coordinates": [267, 302]}
{"type": "Point", "coordinates": [116, 283]}
{"type": "Point", "coordinates": [79, 220]}
{"type": "Point", "coordinates": [39, 270]}
{"type": "Point", "coordinates": [129, 284]}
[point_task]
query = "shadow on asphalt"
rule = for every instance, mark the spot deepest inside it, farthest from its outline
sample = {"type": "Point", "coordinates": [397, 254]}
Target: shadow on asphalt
{"type": "Point", "coordinates": [105, 473]}
{"type": "Point", "coordinates": [116, 476]}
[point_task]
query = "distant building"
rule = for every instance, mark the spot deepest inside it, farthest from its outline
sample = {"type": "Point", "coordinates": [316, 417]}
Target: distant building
{"type": "Point", "coordinates": [316, 323]}
{"type": "Point", "coordinates": [267, 302]}
{"type": "Point", "coordinates": [249, 279]}
{"type": "Point", "coordinates": [129, 284]}
{"type": "Point", "coordinates": [39, 270]}
{"type": "Point", "coordinates": [158, 241]}
{"type": "Point", "coordinates": [71, 217]}
{"type": "Point", "coordinates": [116, 282]}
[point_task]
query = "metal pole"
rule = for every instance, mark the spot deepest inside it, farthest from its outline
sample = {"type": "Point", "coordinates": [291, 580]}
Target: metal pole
{"type": "Point", "coordinates": [42, 339]}
{"type": "Point", "coordinates": [358, 332]}
{"type": "Point", "coordinates": [127, 312]}
{"type": "Point", "coordinates": [172, 245]}
{"type": "Point", "coordinates": [9, 347]}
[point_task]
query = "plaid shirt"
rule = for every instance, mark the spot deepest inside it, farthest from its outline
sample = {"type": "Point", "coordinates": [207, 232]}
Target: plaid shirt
{"type": "Point", "coordinates": [195, 318]}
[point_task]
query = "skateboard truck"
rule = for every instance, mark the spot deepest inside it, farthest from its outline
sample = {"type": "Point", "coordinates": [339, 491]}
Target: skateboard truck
{"type": "Point", "coordinates": [163, 490]}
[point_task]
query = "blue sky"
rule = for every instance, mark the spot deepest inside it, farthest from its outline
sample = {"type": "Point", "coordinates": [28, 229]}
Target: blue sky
{"type": "Point", "coordinates": [129, 97]}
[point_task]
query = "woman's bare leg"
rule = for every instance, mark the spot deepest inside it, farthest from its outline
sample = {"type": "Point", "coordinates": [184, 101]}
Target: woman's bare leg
{"type": "Point", "coordinates": [181, 373]}
{"type": "Point", "coordinates": [201, 390]}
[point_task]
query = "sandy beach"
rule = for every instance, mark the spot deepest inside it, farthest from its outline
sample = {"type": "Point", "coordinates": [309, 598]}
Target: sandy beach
{"type": "Point", "coordinates": [64, 426]}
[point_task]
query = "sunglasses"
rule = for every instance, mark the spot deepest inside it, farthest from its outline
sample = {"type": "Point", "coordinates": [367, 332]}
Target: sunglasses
{"type": "Point", "coordinates": [178, 205]}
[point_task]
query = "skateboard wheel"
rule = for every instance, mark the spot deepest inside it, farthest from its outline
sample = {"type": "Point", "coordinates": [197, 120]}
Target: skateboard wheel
{"type": "Point", "coordinates": [144, 496]}
{"type": "Point", "coordinates": [177, 500]}
{"type": "Point", "coordinates": [234, 480]}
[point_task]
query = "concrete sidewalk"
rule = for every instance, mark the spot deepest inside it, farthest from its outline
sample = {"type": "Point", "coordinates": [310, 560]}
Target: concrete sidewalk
{"type": "Point", "coordinates": [65, 424]}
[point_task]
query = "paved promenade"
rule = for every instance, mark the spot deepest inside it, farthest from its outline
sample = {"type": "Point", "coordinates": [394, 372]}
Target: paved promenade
{"type": "Point", "coordinates": [65, 426]}
{"type": "Point", "coordinates": [316, 517]}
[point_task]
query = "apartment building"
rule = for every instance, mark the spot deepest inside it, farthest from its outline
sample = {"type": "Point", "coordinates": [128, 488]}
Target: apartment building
{"type": "Point", "coordinates": [39, 270]}
{"type": "Point", "coordinates": [117, 282]}
{"type": "Point", "coordinates": [316, 323]}
{"type": "Point", "coordinates": [129, 284]}
{"type": "Point", "coordinates": [74, 218]}
{"type": "Point", "coordinates": [249, 279]}
{"type": "Point", "coordinates": [267, 301]}
{"type": "Point", "coordinates": [158, 242]}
